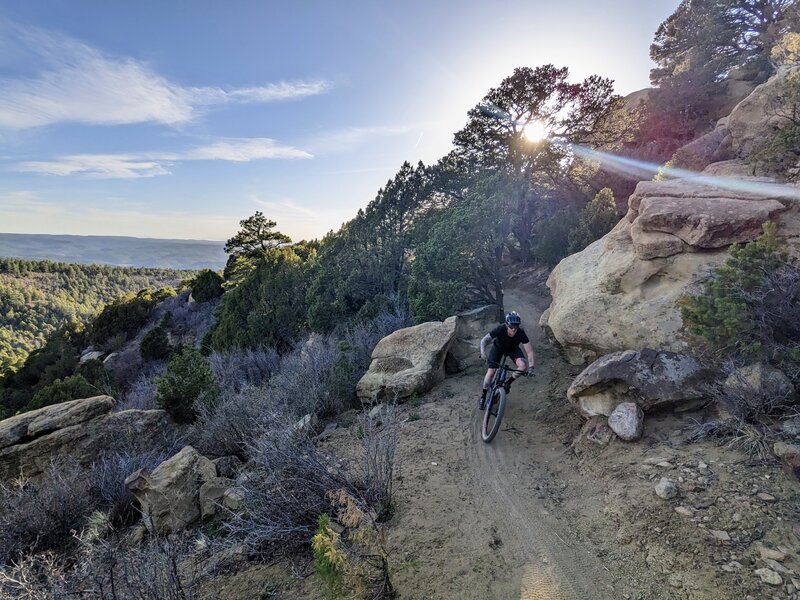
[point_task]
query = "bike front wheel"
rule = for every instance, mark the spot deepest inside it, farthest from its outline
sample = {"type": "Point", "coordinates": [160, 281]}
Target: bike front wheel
{"type": "Point", "coordinates": [495, 407]}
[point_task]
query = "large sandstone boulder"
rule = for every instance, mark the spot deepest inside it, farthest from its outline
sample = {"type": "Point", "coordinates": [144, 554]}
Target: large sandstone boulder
{"type": "Point", "coordinates": [752, 117]}
{"type": "Point", "coordinates": [471, 326]}
{"type": "Point", "coordinates": [81, 429]}
{"type": "Point", "coordinates": [622, 291]}
{"type": "Point", "coordinates": [170, 496]}
{"type": "Point", "coordinates": [700, 215]}
{"type": "Point", "coordinates": [408, 361]}
{"type": "Point", "coordinates": [648, 378]}
{"type": "Point", "coordinates": [606, 298]}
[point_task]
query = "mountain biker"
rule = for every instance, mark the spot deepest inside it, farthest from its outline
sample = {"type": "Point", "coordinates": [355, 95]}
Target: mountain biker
{"type": "Point", "coordinates": [507, 340]}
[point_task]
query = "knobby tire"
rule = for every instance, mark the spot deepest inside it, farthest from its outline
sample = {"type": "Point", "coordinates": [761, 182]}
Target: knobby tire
{"type": "Point", "coordinates": [491, 423]}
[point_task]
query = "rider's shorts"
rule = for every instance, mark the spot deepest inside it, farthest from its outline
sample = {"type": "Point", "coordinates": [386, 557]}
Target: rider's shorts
{"type": "Point", "coordinates": [495, 356]}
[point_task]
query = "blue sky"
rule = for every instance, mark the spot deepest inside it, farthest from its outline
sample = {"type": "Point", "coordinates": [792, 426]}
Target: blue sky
{"type": "Point", "coordinates": [178, 119]}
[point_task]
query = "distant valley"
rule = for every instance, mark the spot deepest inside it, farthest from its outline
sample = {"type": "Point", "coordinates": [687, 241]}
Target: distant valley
{"type": "Point", "coordinates": [114, 250]}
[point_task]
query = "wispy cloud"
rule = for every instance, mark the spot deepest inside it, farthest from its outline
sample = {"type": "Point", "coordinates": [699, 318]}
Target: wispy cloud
{"type": "Point", "coordinates": [287, 208]}
{"type": "Point", "coordinates": [151, 164]}
{"type": "Point", "coordinates": [74, 82]}
{"type": "Point", "coordinates": [351, 138]}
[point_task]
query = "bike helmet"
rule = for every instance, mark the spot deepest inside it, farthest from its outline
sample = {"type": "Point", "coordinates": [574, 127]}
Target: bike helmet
{"type": "Point", "coordinates": [513, 319]}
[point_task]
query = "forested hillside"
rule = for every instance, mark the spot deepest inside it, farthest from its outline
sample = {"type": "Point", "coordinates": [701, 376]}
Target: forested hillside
{"type": "Point", "coordinates": [38, 297]}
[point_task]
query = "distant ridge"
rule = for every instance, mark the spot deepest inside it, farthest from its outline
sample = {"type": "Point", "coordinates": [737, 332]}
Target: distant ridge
{"type": "Point", "coordinates": [114, 250]}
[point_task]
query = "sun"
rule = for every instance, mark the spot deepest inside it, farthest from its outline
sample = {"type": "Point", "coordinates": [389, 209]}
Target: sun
{"type": "Point", "coordinates": [535, 131]}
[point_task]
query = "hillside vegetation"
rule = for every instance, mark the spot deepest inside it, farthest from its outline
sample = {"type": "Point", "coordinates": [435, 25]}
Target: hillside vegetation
{"type": "Point", "coordinates": [39, 297]}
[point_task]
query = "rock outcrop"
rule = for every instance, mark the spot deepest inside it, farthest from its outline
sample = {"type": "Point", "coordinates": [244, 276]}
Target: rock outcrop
{"type": "Point", "coordinates": [650, 379]}
{"type": "Point", "coordinates": [622, 291]}
{"type": "Point", "coordinates": [81, 429]}
{"type": "Point", "coordinates": [751, 117]}
{"type": "Point", "coordinates": [408, 361]}
{"type": "Point", "coordinates": [696, 215]}
{"type": "Point", "coordinates": [170, 496]}
{"type": "Point", "coordinates": [471, 326]}
{"type": "Point", "coordinates": [605, 298]}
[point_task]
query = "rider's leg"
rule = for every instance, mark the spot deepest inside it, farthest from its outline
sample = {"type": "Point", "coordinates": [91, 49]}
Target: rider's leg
{"type": "Point", "coordinates": [522, 365]}
{"type": "Point", "coordinates": [487, 381]}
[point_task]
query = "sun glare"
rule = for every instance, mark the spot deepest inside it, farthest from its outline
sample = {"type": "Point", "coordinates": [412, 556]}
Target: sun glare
{"type": "Point", "coordinates": [535, 131]}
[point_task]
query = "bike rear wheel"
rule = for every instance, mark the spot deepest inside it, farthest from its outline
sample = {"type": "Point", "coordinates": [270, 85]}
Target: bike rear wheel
{"type": "Point", "coordinates": [495, 407]}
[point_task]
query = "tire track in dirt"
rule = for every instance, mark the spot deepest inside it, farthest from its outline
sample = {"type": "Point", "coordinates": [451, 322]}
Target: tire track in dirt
{"type": "Point", "coordinates": [553, 565]}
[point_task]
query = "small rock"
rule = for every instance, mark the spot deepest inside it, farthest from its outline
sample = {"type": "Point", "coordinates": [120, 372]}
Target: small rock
{"type": "Point", "coordinates": [765, 497]}
{"type": "Point", "coordinates": [656, 460]}
{"type": "Point", "coordinates": [720, 535]}
{"type": "Point", "coordinates": [782, 449]}
{"type": "Point", "coordinates": [771, 554]}
{"type": "Point", "coordinates": [702, 465]}
{"type": "Point", "coordinates": [306, 424]}
{"type": "Point", "coordinates": [328, 431]}
{"type": "Point", "coordinates": [233, 499]}
{"type": "Point", "coordinates": [665, 464]}
{"type": "Point", "coordinates": [627, 421]}
{"type": "Point", "coordinates": [792, 427]}
{"type": "Point", "coordinates": [769, 576]}
{"type": "Point", "coordinates": [666, 489]}
{"type": "Point", "coordinates": [684, 511]}
{"type": "Point", "coordinates": [376, 412]}
{"type": "Point", "coordinates": [736, 517]}
{"type": "Point", "coordinates": [776, 566]}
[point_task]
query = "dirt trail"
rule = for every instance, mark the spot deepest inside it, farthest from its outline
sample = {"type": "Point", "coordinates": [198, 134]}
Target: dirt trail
{"type": "Point", "coordinates": [477, 520]}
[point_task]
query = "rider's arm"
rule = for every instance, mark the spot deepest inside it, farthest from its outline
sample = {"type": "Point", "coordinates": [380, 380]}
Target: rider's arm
{"type": "Point", "coordinates": [529, 351]}
{"type": "Point", "coordinates": [485, 340]}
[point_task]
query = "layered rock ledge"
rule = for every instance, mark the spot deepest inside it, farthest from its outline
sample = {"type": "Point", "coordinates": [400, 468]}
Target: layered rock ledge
{"type": "Point", "coordinates": [81, 429]}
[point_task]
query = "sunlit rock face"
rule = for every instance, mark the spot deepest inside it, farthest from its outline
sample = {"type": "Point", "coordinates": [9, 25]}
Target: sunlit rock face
{"type": "Point", "coordinates": [623, 290]}
{"type": "Point", "coordinates": [754, 115]}
{"type": "Point", "coordinates": [680, 215]}
{"type": "Point", "coordinates": [606, 298]}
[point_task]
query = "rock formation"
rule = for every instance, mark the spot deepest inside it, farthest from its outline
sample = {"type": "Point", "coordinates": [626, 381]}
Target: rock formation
{"type": "Point", "coordinates": [178, 492]}
{"type": "Point", "coordinates": [650, 379]}
{"type": "Point", "coordinates": [81, 429]}
{"type": "Point", "coordinates": [622, 291]}
{"type": "Point", "coordinates": [414, 359]}
{"type": "Point", "coordinates": [471, 326]}
{"type": "Point", "coordinates": [407, 361]}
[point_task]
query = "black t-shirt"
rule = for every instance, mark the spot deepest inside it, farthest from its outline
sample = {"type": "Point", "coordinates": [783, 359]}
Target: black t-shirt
{"type": "Point", "coordinates": [505, 342]}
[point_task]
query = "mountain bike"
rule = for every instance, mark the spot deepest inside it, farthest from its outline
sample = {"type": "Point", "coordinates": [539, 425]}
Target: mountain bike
{"type": "Point", "coordinates": [495, 402]}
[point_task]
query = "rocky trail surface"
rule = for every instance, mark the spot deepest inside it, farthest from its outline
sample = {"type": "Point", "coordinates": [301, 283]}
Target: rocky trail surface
{"type": "Point", "coordinates": [533, 516]}
{"type": "Point", "coordinates": [482, 516]}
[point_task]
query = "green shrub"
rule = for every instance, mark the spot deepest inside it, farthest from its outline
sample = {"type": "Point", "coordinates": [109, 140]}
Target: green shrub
{"type": "Point", "coordinates": [330, 557]}
{"type": "Point", "coordinates": [188, 380]}
{"type": "Point", "coordinates": [597, 218]}
{"type": "Point", "coordinates": [155, 344]}
{"type": "Point", "coordinates": [63, 390]}
{"type": "Point", "coordinates": [751, 306]}
{"type": "Point", "coordinates": [207, 286]}
{"type": "Point", "coordinates": [433, 300]}
{"type": "Point", "coordinates": [122, 318]}
{"type": "Point", "coordinates": [553, 239]}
